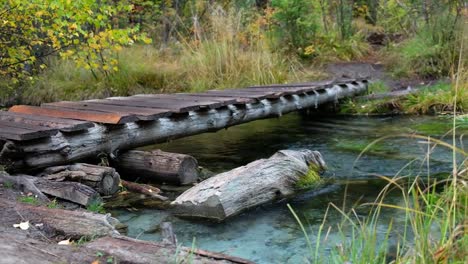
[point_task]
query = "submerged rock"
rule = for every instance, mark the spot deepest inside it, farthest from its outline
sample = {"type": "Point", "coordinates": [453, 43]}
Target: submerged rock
{"type": "Point", "coordinates": [256, 183]}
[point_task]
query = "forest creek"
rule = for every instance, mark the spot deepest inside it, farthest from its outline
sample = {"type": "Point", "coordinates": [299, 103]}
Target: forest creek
{"type": "Point", "coordinates": [259, 131]}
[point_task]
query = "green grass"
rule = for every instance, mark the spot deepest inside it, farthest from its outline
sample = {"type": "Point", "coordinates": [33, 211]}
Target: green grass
{"type": "Point", "coordinates": [433, 216]}
{"type": "Point", "coordinates": [53, 204]}
{"type": "Point", "coordinates": [96, 207]}
{"type": "Point", "coordinates": [377, 87]}
{"type": "Point", "coordinates": [29, 200]}
{"type": "Point", "coordinates": [438, 98]}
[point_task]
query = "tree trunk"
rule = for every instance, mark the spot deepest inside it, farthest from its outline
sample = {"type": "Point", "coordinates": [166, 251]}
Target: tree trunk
{"type": "Point", "coordinates": [128, 250]}
{"type": "Point", "coordinates": [104, 180]}
{"type": "Point", "coordinates": [56, 223]}
{"type": "Point", "coordinates": [159, 166]}
{"type": "Point", "coordinates": [17, 247]}
{"type": "Point", "coordinates": [256, 183]}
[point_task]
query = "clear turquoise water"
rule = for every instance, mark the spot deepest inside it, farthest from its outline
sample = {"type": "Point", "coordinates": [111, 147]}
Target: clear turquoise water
{"type": "Point", "coordinates": [270, 234]}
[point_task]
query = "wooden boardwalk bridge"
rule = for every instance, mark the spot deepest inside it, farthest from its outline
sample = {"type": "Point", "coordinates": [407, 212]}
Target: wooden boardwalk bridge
{"type": "Point", "coordinates": [63, 132]}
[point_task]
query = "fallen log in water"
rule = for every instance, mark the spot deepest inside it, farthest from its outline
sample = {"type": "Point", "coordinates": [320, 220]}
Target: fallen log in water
{"type": "Point", "coordinates": [104, 180]}
{"type": "Point", "coordinates": [256, 183]}
{"type": "Point", "coordinates": [159, 166]}
{"type": "Point", "coordinates": [70, 191]}
{"type": "Point", "coordinates": [145, 189]}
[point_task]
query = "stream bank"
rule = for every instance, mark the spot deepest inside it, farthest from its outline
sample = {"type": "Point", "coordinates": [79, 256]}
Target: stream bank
{"type": "Point", "coordinates": [270, 234]}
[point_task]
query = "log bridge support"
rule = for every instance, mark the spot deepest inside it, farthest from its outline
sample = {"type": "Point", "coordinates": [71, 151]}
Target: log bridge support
{"type": "Point", "coordinates": [80, 130]}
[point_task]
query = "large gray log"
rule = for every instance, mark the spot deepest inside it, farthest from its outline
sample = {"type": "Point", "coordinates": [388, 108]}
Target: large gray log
{"type": "Point", "coordinates": [159, 166]}
{"type": "Point", "coordinates": [64, 148]}
{"type": "Point", "coordinates": [104, 180]}
{"type": "Point", "coordinates": [256, 183]}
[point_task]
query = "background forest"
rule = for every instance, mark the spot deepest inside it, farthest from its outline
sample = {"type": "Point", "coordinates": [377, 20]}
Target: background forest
{"type": "Point", "coordinates": [61, 49]}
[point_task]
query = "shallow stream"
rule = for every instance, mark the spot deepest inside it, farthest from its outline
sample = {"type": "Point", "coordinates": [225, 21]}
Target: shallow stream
{"type": "Point", "coordinates": [270, 234]}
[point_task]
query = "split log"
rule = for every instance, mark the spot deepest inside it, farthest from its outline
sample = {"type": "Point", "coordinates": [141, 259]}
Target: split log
{"type": "Point", "coordinates": [53, 222]}
{"type": "Point", "coordinates": [143, 189]}
{"type": "Point", "coordinates": [129, 250]}
{"type": "Point", "coordinates": [159, 166]}
{"type": "Point", "coordinates": [104, 180]}
{"type": "Point", "coordinates": [70, 191]}
{"type": "Point", "coordinates": [256, 183]}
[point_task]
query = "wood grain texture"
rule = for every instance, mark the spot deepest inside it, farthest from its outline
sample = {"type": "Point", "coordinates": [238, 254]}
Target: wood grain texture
{"type": "Point", "coordinates": [62, 124]}
{"type": "Point", "coordinates": [158, 166]}
{"type": "Point", "coordinates": [259, 182]}
{"type": "Point", "coordinates": [87, 115]}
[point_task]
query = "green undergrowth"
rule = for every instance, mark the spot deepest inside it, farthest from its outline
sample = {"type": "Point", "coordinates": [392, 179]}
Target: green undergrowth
{"type": "Point", "coordinates": [96, 207]}
{"type": "Point", "coordinates": [29, 200]}
{"type": "Point", "coordinates": [439, 98]}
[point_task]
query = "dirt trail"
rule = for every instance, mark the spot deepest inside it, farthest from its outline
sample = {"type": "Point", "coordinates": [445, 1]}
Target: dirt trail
{"type": "Point", "coordinates": [374, 71]}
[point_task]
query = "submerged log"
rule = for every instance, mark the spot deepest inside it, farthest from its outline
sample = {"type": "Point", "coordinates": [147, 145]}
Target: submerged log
{"type": "Point", "coordinates": [256, 183]}
{"type": "Point", "coordinates": [53, 222]}
{"type": "Point", "coordinates": [145, 189]}
{"type": "Point", "coordinates": [129, 250]}
{"type": "Point", "coordinates": [159, 166]}
{"type": "Point", "coordinates": [104, 180]}
{"type": "Point", "coordinates": [70, 191]}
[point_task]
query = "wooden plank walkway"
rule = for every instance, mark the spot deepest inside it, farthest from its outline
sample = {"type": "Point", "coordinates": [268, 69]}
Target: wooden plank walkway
{"type": "Point", "coordinates": [23, 125]}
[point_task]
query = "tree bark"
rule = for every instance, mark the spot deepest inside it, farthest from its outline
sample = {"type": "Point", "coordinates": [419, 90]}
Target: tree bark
{"type": "Point", "coordinates": [256, 183]}
{"type": "Point", "coordinates": [56, 223]}
{"type": "Point", "coordinates": [128, 250]}
{"type": "Point", "coordinates": [159, 166]}
{"type": "Point", "coordinates": [104, 180]}
{"type": "Point", "coordinates": [70, 191]}
{"type": "Point", "coordinates": [144, 189]}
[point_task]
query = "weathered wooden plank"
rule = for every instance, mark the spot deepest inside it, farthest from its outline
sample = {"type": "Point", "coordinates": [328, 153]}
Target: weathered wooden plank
{"type": "Point", "coordinates": [238, 99]}
{"type": "Point", "coordinates": [140, 113]}
{"type": "Point", "coordinates": [281, 90]}
{"type": "Point", "coordinates": [64, 125]}
{"type": "Point", "coordinates": [260, 95]}
{"type": "Point", "coordinates": [223, 100]}
{"type": "Point", "coordinates": [15, 133]}
{"type": "Point", "coordinates": [94, 116]}
{"type": "Point", "coordinates": [175, 97]}
{"type": "Point", "coordinates": [176, 107]}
